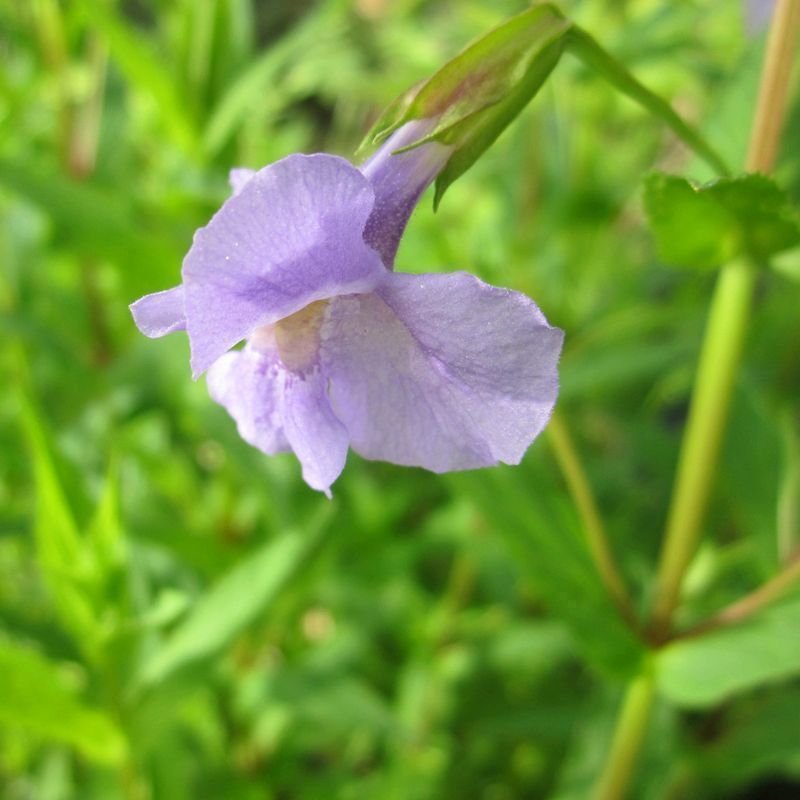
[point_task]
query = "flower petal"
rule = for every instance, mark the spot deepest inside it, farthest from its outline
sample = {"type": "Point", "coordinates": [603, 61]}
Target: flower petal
{"type": "Point", "coordinates": [292, 235]}
{"type": "Point", "coordinates": [399, 181]}
{"type": "Point", "coordinates": [160, 313]}
{"type": "Point", "coordinates": [248, 384]}
{"type": "Point", "coordinates": [441, 371]}
{"type": "Point", "coordinates": [317, 437]}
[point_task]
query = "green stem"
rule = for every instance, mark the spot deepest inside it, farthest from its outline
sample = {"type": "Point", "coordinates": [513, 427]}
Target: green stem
{"type": "Point", "coordinates": [628, 739]}
{"type": "Point", "coordinates": [580, 489]}
{"type": "Point", "coordinates": [719, 360]}
{"type": "Point", "coordinates": [723, 341]}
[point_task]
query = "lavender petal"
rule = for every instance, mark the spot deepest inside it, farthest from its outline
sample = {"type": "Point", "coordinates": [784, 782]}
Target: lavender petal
{"type": "Point", "coordinates": [316, 435]}
{"type": "Point", "coordinates": [399, 181]}
{"type": "Point", "coordinates": [160, 313]}
{"type": "Point", "coordinates": [292, 235]}
{"type": "Point", "coordinates": [248, 383]}
{"type": "Point", "coordinates": [441, 371]}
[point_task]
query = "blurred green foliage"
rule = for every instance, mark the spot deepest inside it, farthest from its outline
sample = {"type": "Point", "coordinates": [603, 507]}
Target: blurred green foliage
{"type": "Point", "coordinates": [182, 617]}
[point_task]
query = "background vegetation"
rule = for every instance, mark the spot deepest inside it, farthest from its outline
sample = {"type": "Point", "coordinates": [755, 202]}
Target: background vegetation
{"type": "Point", "coordinates": [182, 617]}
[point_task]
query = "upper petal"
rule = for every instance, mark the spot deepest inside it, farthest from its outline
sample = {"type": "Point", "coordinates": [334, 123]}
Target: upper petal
{"type": "Point", "coordinates": [291, 235]}
{"type": "Point", "coordinates": [441, 371]}
{"type": "Point", "coordinates": [160, 313]}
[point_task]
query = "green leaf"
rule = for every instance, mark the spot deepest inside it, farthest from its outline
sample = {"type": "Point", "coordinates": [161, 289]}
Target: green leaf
{"type": "Point", "coordinates": [706, 226]}
{"type": "Point", "coordinates": [35, 697]}
{"type": "Point", "coordinates": [143, 69]}
{"type": "Point", "coordinates": [81, 569]}
{"type": "Point", "coordinates": [788, 264]}
{"type": "Point", "coordinates": [706, 670]}
{"type": "Point", "coordinates": [104, 536]}
{"type": "Point", "coordinates": [543, 535]}
{"type": "Point", "coordinates": [92, 219]}
{"type": "Point", "coordinates": [258, 83]}
{"type": "Point", "coordinates": [65, 563]}
{"type": "Point", "coordinates": [235, 601]}
{"type": "Point", "coordinates": [759, 740]}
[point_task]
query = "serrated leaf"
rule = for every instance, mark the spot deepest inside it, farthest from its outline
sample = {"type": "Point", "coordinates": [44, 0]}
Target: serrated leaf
{"type": "Point", "coordinates": [34, 697]}
{"type": "Point", "coordinates": [703, 671]}
{"type": "Point", "coordinates": [705, 226]}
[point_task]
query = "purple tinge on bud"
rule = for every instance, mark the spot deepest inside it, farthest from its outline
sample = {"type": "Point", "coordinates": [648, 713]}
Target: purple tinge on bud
{"type": "Point", "coordinates": [399, 179]}
{"type": "Point", "coordinates": [439, 371]}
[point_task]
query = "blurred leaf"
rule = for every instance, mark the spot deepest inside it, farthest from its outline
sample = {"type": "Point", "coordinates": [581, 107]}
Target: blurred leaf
{"type": "Point", "coordinates": [788, 264]}
{"type": "Point", "coordinates": [703, 671]}
{"type": "Point", "coordinates": [104, 536]}
{"type": "Point", "coordinates": [749, 474]}
{"type": "Point", "coordinates": [136, 58]}
{"type": "Point", "coordinates": [235, 601]}
{"type": "Point", "coordinates": [601, 368]}
{"type": "Point", "coordinates": [91, 219]}
{"type": "Point", "coordinates": [543, 536]}
{"type": "Point", "coordinates": [709, 225]}
{"type": "Point", "coordinates": [82, 571]}
{"type": "Point", "coordinates": [759, 740]}
{"type": "Point", "coordinates": [64, 561]}
{"type": "Point", "coordinates": [582, 45]}
{"type": "Point", "coordinates": [728, 118]}
{"type": "Point", "coordinates": [35, 697]}
{"type": "Point", "coordinates": [259, 84]}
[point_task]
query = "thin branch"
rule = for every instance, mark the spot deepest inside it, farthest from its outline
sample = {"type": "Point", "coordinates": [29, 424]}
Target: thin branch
{"type": "Point", "coordinates": [750, 604]}
{"type": "Point", "coordinates": [580, 490]}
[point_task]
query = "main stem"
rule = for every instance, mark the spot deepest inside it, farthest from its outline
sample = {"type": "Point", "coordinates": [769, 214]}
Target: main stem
{"type": "Point", "coordinates": [723, 341]}
{"type": "Point", "coordinates": [719, 360]}
{"type": "Point", "coordinates": [628, 739]}
{"type": "Point", "coordinates": [710, 400]}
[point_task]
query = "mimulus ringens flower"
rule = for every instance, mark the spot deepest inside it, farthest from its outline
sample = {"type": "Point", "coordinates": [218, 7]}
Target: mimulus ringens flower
{"type": "Point", "coordinates": [440, 371]}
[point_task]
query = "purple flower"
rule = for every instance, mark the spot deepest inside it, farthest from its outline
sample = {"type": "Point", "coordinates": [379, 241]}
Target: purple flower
{"type": "Point", "coordinates": [440, 371]}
